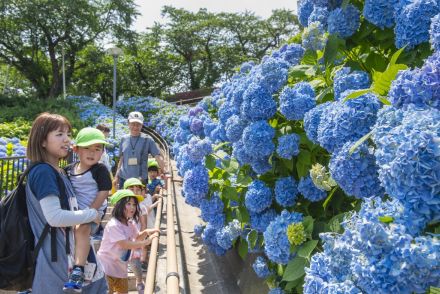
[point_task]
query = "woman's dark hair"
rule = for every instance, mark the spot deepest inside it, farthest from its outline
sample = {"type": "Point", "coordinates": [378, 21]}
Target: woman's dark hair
{"type": "Point", "coordinates": [41, 127]}
{"type": "Point", "coordinates": [118, 210]}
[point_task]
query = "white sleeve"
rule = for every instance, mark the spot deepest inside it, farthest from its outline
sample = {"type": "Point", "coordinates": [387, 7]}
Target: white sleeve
{"type": "Point", "coordinates": [57, 217]}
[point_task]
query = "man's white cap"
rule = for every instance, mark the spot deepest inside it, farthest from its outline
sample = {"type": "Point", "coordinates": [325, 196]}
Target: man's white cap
{"type": "Point", "coordinates": [136, 116]}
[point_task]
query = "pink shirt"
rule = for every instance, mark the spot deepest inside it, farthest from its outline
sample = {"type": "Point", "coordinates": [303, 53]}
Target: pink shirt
{"type": "Point", "coordinates": [109, 253]}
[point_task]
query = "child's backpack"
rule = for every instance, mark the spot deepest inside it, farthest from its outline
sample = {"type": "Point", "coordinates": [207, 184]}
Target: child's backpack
{"type": "Point", "coordinates": [17, 251]}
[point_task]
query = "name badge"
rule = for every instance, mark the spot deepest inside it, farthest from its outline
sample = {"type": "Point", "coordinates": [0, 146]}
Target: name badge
{"type": "Point", "coordinates": [132, 161]}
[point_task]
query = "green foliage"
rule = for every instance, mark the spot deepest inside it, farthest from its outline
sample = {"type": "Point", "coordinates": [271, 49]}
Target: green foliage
{"type": "Point", "coordinates": [21, 111]}
{"type": "Point", "coordinates": [34, 33]}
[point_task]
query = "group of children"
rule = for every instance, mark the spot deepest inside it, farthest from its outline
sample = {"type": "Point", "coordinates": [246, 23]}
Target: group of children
{"type": "Point", "coordinates": [131, 227]}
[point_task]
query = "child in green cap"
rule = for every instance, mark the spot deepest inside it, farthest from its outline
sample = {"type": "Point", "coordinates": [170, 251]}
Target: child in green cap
{"type": "Point", "coordinates": [91, 182]}
{"type": "Point", "coordinates": [121, 236]}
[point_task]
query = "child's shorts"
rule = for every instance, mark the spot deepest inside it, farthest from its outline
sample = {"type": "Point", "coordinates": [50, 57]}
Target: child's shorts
{"type": "Point", "coordinates": [93, 228]}
{"type": "Point", "coordinates": [117, 284]}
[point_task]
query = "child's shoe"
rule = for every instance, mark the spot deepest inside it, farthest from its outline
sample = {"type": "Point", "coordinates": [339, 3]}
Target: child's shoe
{"type": "Point", "coordinates": [75, 283]}
{"type": "Point", "coordinates": [140, 287]}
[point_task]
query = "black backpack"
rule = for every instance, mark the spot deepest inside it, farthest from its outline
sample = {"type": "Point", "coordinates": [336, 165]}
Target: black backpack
{"type": "Point", "coordinates": [17, 251]}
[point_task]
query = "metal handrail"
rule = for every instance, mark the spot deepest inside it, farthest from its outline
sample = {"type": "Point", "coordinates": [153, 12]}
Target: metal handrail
{"type": "Point", "coordinates": [172, 277]}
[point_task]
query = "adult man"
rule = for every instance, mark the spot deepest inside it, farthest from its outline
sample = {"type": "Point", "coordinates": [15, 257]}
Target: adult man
{"type": "Point", "coordinates": [134, 149]}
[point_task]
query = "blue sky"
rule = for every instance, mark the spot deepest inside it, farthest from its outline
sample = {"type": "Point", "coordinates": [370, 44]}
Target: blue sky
{"type": "Point", "coordinates": [150, 9]}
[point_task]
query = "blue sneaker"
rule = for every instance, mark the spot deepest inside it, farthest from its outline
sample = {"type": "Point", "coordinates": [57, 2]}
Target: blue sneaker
{"type": "Point", "coordinates": [75, 283]}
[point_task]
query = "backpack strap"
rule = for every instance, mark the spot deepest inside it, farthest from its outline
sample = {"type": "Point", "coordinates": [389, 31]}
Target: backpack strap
{"type": "Point", "coordinates": [47, 228]}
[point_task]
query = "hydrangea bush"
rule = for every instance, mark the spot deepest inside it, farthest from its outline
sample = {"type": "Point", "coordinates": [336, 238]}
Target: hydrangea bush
{"type": "Point", "coordinates": [325, 155]}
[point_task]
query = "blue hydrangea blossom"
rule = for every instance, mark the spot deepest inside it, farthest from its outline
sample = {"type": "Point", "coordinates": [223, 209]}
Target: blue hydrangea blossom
{"type": "Point", "coordinates": [286, 191]}
{"type": "Point", "coordinates": [296, 101]}
{"type": "Point", "coordinates": [344, 22]}
{"type": "Point", "coordinates": [288, 146]}
{"type": "Point", "coordinates": [258, 196]}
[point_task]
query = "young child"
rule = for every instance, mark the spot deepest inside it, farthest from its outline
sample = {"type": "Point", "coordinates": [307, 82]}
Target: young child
{"type": "Point", "coordinates": [49, 142]}
{"type": "Point", "coordinates": [138, 258]}
{"type": "Point", "coordinates": [121, 235]}
{"type": "Point", "coordinates": [154, 182]}
{"type": "Point", "coordinates": [91, 182]}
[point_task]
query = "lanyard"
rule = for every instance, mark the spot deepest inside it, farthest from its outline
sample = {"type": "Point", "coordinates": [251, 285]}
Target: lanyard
{"type": "Point", "coordinates": [135, 143]}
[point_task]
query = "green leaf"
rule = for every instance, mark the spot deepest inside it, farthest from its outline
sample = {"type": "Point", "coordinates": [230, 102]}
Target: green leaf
{"type": "Point", "coordinates": [299, 71]}
{"type": "Point", "coordinates": [221, 154]}
{"type": "Point", "coordinates": [306, 249]}
{"type": "Point", "coordinates": [382, 80]}
{"type": "Point", "coordinates": [384, 100]}
{"type": "Point", "coordinates": [323, 93]}
{"type": "Point", "coordinates": [243, 180]}
{"type": "Point", "coordinates": [218, 146]}
{"type": "Point", "coordinates": [332, 48]}
{"type": "Point", "coordinates": [309, 57]}
{"type": "Point", "coordinates": [230, 193]}
{"type": "Point", "coordinates": [303, 163]}
{"type": "Point", "coordinates": [242, 214]}
{"type": "Point", "coordinates": [357, 93]}
{"type": "Point", "coordinates": [434, 290]}
{"type": "Point", "coordinates": [210, 162]}
{"type": "Point", "coordinates": [396, 55]}
{"type": "Point", "coordinates": [359, 142]}
{"type": "Point", "coordinates": [295, 269]}
{"type": "Point", "coordinates": [243, 248]}
{"type": "Point", "coordinates": [308, 224]}
{"type": "Point", "coordinates": [252, 238]}
{"type": "Point", "coordinates": [231, 165]}
{"type": "Point", "coordinates": [335, 223]}
{"type": "Point", "coordinates": [386, 219]}
{"type": "Point", "coordinates": [292, 284]}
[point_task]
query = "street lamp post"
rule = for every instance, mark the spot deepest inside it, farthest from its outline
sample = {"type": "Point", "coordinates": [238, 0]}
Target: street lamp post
{"type": "Point", "coordinates": [115, 52]}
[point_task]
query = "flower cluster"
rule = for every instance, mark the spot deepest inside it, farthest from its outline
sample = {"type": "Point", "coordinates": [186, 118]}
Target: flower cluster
{"type": "Point", "coordinates": [11, 147]}
{"type": "Point", "coordinates": [296, 101]}
{"type": "Point", "coordinates": [212, 210]}
{"type": "Point", "coordinates": [413, 19]}
{"type": "Point", "coordinates": [258, 103]}
{"type": "Point", "coordinates": [197, 149]}
{"type": "Point", "coordinates": [346, 79]}
{"type": "Point", "coordinates": [347, 121]}
{"type": "Point", "coordinates": [375, 256]}
{"type": "Point", "coordinates": [308, 189]}
{"type": "Point", "coordinates": [313, 37]}
{"type": "Point", "coordinates": [277, 246]}
{"type": "Point", "coordinates": [408, 157]}
{"type": "Point", "coordinates": [321, 177]}
{"type": "Point", "coordinates": [356, 173]}
{"type": "Point", "coordinates": [257, 139]}
{"type": "Point", "coordinates": [286, 191]}
{"type": "Point", "coordinates": [260, 220]}
{"type": "Point", "coordinates": [227, 235]}
{"type": "Point", "coordinates": [258, 197]}
{"type": "Point", "coordinates": [296, 234]}
{"type": "Point", "coordinates": [420, 86]}
{"type": "Point", "coordinates": [344, 22]}
{"type": "Point", "coordinates": [261, 268]}
{"type": "Point", "coordinates": [209, 237]}
{"type": "Point", "coordinates": [288, 146]}
{"type": "Point", "coordinates": [380, 12]}
{"type": "Point", "coordinates": [195, 185]}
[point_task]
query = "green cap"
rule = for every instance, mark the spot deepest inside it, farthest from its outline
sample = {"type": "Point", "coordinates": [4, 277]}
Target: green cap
{"type": "Point", "coordinates": [122, 194]}
{"type": "Point", "coordinates": [152, 162]}
{"type": "Point", "coordinates": [89, 136]}
{"type": "Point", "coordinates": [133, 182]}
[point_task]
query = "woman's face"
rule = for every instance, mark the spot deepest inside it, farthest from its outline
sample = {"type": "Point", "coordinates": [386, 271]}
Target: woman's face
{"type": "Point", "coordinates": [135, 128]}
{"type": "Point", "coordinates": [57, 144]}
{"type": "Point", "coordinates": [130, 208]}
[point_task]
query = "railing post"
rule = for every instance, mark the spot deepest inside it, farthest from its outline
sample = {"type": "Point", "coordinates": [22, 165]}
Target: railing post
{"type": "Point", "coordinates": [172, 278]}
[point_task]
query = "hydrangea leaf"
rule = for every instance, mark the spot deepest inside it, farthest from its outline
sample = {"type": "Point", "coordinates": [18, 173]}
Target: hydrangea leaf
{"type": "Point", "coordinates": [434, 290]}
{"type": "Point", "coordinates": [243, 249]}
{"type": "Point", "coordinates": [308, 225]}
{"type": "Point", "coordinates": [292, 284]}
{"type": "Point", "coordinates": [334, 43]}
{"type": "Point", "coordinates": [252, 238]}
{"type": "Point", "coordinates": [299, 71]}
{"type": "Point", "coordinates": [335, 223]}
{"type": "Point", "coordinates": [243, 215]}
{"type": "Point", "coordinates": [210, 162]}
{"type": "Point", "coordinates": [306, 249]}
{"type": "Point", "coordinates": [303, 163]}
{"type": "Point", "coordinates": [230, 193]}
{"type": "Point", "coordinates": [356, 94]}
{"type": "Point", "coordinates": [295, 269]}
{"type": "Point", "coordinates": [231, 165]}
